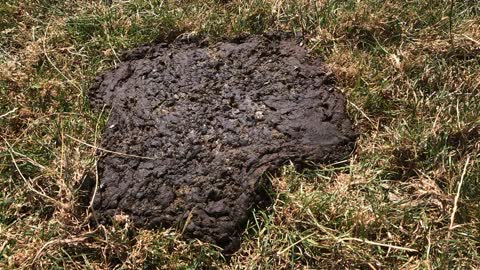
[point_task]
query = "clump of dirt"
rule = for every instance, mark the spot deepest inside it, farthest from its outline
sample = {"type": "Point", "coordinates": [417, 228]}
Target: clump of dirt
{"type": "Point", "coordinates": [199, 124]}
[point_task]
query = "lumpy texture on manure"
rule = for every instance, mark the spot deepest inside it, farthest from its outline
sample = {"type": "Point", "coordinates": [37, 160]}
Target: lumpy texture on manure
{"type": "Point", "coordinates": [195, 126]}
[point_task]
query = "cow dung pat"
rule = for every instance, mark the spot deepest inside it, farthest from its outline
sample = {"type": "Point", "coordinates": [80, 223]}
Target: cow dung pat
{"type": "Point", "coordinates": [195, 125]}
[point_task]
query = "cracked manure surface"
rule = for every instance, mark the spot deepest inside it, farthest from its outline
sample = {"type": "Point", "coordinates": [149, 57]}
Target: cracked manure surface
{"type": "Point", "coordinates": [212, 119]}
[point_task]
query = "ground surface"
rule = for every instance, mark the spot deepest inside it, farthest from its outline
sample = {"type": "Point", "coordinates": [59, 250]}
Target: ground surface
{"type": "Point", "coordinates": [408, 198]}
{"type": "Point", "coordinates": [209, 121]}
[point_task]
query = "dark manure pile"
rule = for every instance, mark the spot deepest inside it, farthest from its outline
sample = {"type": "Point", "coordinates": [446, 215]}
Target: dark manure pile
{"type": "Point", "coordinates": [194, 126]}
